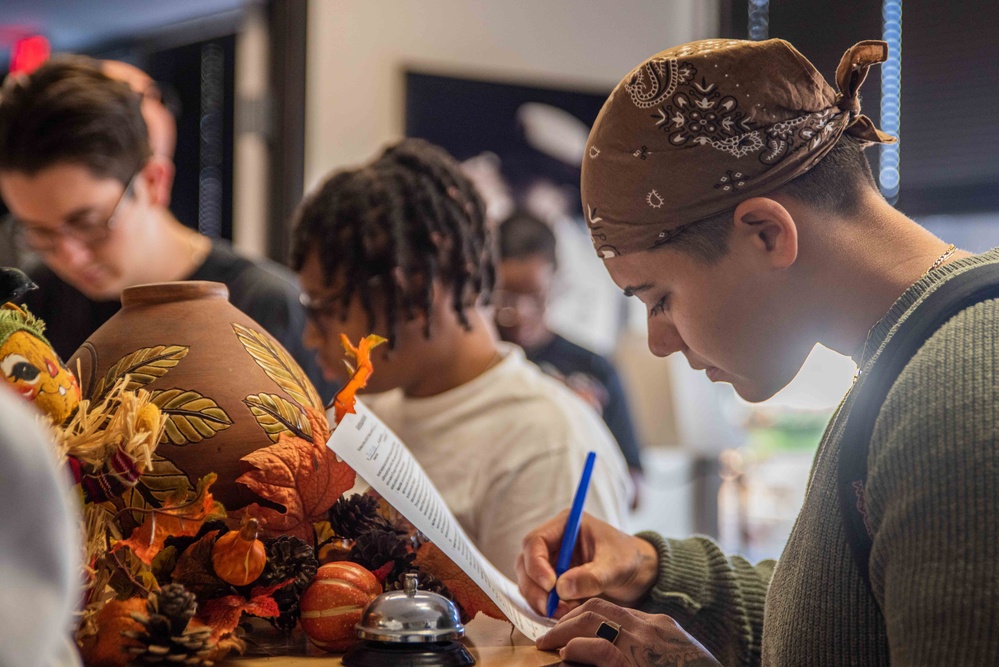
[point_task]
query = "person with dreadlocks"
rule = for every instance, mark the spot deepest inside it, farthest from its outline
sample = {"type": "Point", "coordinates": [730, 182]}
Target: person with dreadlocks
{"type": "Point", "coordinates": [399, 248]}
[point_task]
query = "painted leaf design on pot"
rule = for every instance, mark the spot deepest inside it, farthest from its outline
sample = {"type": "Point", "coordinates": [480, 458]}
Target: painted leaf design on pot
{"type": "Point", "coordinates": [277, 415]}
{"type": "Point", "coordinates": [156, 485]}
{"type": "Point", "coordinates": [191, 417]}
{"type": "Point", "coordinates": [279, 366]}
{"type": "Point", "coordinates": [142, 366]}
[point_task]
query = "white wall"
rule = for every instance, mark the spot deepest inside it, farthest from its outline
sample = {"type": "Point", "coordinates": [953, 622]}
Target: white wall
{"type": "Point", "coordinates": [358, 50]}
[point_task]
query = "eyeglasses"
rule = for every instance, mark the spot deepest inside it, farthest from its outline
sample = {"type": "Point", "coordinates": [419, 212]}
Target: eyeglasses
{"type": "Point", "coordinates": [512, 306]}
{"type": "Point", "coordinates": [316, 310]}
{"type": "Point", "coordinates": [319, 310]}
{"type": "Point", "coordinates": [87, 232]}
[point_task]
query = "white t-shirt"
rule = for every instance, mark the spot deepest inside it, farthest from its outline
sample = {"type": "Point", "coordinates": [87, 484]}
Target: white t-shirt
{"type": "Point", "coordinates": [506, 451]}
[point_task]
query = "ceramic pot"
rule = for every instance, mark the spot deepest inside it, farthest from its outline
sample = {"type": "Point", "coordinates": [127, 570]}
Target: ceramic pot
{"type": "Point", "coordinates": [226, 386]}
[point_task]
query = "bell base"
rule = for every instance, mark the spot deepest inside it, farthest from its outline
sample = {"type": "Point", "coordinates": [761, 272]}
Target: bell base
{"type": "Point", "coordinates": [384, 654]}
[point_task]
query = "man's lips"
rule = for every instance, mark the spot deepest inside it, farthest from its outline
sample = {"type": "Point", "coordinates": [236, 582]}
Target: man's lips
{"type": "Point", "coordinates": [714, 374]}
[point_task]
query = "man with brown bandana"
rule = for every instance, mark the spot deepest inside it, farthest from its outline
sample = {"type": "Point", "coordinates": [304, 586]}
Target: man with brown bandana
{"type": "Point", "coordinates": [725, 186]}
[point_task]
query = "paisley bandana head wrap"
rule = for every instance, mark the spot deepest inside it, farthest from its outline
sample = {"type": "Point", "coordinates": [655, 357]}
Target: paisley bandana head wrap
{"type": "Point", "coordinates": [696, 129]}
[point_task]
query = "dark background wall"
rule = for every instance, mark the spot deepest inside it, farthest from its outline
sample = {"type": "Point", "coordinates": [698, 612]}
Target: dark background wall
{"type": "Point", "coordinates": [949, 132]}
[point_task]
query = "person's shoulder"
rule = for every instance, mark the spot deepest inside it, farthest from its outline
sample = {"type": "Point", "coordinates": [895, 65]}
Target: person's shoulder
{"type": "Point", "coordinates": [952, 367]}
{"type": "Point", "coordinates": [965, 340]}
{"type": "Point", "coordinates": [538, 396]}
{"type": "Point", "coordinates": [259, 275]}
{"type": "Point", "coordinates": [578, 358]}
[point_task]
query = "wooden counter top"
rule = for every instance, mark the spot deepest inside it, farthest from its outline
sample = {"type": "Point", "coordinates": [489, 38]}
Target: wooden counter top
{"type": "Point", "coordinates": [493, 643]}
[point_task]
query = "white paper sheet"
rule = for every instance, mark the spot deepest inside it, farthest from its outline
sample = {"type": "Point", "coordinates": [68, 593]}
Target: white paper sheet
{"type": "Point", "coordinates": [376, 454]}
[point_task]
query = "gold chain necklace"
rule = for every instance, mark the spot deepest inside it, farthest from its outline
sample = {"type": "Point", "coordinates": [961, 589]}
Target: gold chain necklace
{"type": "Point", "coordinates": [951, 249]}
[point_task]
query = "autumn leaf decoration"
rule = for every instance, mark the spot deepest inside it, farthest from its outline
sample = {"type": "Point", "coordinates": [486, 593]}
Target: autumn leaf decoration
{"type": "Point", "coordinates": [467, 594]}
{"type": "Point", "coordinates": [300, 474]}
{"type": "Point", "coordinates": [344, 401]}
{"type": "Point", "coordinates": [305, 477]}
{"type": "Point", "coordinates": [180, 516]}
{"type": "Point", "coordinates": [223, 614]}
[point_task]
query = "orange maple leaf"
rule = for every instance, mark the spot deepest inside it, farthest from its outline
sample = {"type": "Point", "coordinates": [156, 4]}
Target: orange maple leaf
{"type": "Point", "coordinates": [320, 426]}
{"type": "Point", "coordinates": [304, 477]}
{"type": "Point", "coordinates": [345, 399]}
{"type": "Point", "coordinates": [466, 593]}
{"type": "Point", "coordinates": [222, 614]}
{"type": "Point", "coordinates": [180, 516]}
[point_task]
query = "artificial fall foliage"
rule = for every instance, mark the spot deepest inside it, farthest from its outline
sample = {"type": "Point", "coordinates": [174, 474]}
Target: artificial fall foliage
{"type": "Point", "coordinates": [300, 478]}
{"type": "Point", "coordinates": [345, 399]}
{"type": "Point", "coordinates": [466, 593]}
{"type": "Point", "coordinates": [223, 614]}
{"type": "Point", "coordinates": [180, 516]}
{"type": "Point", "coordinates": [304, 477]}
{"type": "Point", "coordinates": [194, 569]}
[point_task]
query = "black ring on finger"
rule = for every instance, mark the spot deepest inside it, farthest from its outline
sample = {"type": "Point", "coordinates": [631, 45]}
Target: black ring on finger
{"type": "Point", "coordinates": [608, 630]}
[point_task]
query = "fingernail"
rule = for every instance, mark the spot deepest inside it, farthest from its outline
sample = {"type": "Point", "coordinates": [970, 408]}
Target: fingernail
{"type": "Point", "coordinates": [567, 589]}
{"type": "Point", "coordinates": [561, 653]}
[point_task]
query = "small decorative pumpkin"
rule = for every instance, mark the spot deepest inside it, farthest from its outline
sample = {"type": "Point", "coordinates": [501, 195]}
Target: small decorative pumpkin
{"type": "Point", "coordinates": [238, 556]}
{"type": "Point", "coordinates": [332, 605]}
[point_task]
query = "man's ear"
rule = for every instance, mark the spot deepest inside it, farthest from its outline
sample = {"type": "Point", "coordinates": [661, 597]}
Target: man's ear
{"type": "Point", "coordinates": [769, 228]}
{"type": "Point", "coordinates": [158, 176]}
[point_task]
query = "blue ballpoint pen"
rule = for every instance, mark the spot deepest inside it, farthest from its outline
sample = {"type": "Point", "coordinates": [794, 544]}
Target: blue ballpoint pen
{"type": "Point", "coordinates": [571, 532]}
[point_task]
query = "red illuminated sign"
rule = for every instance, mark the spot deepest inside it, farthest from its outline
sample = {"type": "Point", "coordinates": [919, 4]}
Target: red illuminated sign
{"type": "Point", "coordinates": [28, 54]}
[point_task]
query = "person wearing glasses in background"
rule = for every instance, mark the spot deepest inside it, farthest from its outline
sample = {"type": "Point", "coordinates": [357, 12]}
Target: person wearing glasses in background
{"type": "Point", "coordinates": [525, 273]}
{"type": "Point", "coordinates": [399, 247]}
{"type": "Point", "coordinates": [86, 171]}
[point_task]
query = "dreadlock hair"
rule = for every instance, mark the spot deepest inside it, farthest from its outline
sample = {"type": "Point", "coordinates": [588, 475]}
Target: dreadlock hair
{"type": "Point", "coordinates": [397, 225]}
{"type": "Point", "coordinates": [522, 235]}
{"type": "Point", "coordinates": [834, 185]}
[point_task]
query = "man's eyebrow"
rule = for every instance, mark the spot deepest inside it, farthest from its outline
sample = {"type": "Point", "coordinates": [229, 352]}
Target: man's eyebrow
{"type": "Point", "coordinates": [632, 290]}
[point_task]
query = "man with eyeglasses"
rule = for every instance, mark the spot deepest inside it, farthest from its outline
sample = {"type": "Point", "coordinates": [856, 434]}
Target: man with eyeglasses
{"type": "Point", "coordinates": [524, 277]}
{"type": "Point", "coordinates": [90, 198]}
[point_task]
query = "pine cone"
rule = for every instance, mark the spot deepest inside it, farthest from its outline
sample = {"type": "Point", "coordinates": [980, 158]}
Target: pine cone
{"type": "Point", "coordinates": [288, 558]}
{"type": "Point", "coordinates": [428, 582]}
{"type": "Point", "coordinates": [165, 636]}
{"type": "Point", "coordinates": [354, 516]}
{"type": "Point", "coordinates": [378, 547]}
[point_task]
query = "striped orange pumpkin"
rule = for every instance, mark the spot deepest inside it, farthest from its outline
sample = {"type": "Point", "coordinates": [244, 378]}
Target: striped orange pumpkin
{"type": "Point", "coordinates": [332, 605]}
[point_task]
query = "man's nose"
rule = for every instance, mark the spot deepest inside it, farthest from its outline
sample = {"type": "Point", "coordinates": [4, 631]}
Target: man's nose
{"type": "Point", "coordinates": [70, 252]}
{"type": "Point", "coordinates": [664, 339]}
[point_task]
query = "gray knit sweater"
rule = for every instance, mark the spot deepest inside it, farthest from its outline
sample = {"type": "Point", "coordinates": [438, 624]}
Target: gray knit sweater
{"type": "Point", "coordinates": [933, 503]}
